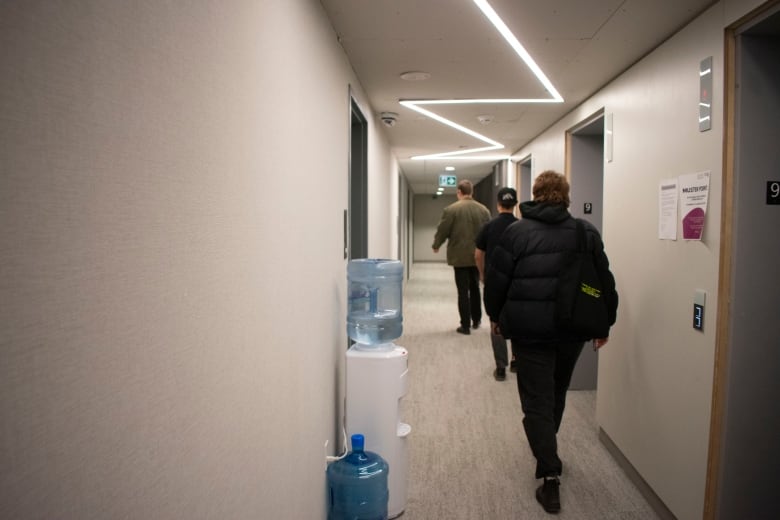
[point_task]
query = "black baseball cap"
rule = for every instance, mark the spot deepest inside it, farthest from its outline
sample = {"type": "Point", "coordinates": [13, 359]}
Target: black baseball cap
{"type": "Point", "coordinates": [507, 196]}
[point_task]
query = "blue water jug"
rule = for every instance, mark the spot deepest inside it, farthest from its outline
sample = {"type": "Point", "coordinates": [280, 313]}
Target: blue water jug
{"type": "Point", "coordinates": [358, 485]}
{"type": "Point", "coordinates": [374, 313]}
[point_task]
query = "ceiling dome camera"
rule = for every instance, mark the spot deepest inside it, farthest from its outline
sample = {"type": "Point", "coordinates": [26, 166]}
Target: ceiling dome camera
{"type": "Point", "coordinates": [389, 118]}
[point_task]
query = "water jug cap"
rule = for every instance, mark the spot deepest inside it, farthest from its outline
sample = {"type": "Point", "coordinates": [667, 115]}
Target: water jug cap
{"type": "Point", "coordinates": [358, 442]}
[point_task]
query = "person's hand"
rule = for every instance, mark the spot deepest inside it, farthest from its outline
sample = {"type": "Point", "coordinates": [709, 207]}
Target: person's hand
{"type": "Point", "coordinates": [494, 328]}
{"type": "Point", "coordinates": [435, 249]}
{"type": "Point", "coordinates": [599, 342]}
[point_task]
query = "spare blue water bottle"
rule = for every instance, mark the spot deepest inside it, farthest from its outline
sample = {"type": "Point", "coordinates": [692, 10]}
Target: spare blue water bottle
{"type": "Point", "coordinates": [374, 313]}
{"type": "Point", "coordinates": [358, 485]}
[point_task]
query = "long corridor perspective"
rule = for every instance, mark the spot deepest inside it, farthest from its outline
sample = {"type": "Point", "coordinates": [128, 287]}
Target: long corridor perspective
{"type": "Point", "coordinates": [468, 456]}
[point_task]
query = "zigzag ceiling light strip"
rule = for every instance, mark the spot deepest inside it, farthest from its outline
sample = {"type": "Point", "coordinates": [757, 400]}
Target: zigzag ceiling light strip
{"type": "Point", "coordinates": [416, 105]}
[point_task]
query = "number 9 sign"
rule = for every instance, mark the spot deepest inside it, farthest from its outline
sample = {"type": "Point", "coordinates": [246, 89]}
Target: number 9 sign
{"type": "Point", "coordinates": [773, 192]}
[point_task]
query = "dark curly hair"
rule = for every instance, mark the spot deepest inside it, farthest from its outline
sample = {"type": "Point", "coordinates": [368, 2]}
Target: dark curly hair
{"type": "Point", "coordinates": [552, 187]}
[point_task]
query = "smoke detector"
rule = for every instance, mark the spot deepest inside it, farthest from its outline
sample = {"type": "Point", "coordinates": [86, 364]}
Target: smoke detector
{"type": "Point", "coordinates": [485, 119]}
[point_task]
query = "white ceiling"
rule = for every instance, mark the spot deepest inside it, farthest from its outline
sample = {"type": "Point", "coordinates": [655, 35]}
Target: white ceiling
{"type": "Point", "coordinates": [580, 45]}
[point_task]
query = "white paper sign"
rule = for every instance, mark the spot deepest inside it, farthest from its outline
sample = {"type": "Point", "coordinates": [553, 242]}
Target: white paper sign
{"type": "Point", "coordinates": [667, 209]}
{"type": "Point", "coordinates": [694, 192]}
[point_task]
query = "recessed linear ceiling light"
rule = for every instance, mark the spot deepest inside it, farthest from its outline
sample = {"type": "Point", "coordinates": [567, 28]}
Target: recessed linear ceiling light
{"type": "Point", "coordinates": [494, 145]}
{"type": "Point", "coordinates": [495, 157]}
{"type": "Point", "coordinates": [499, 24]}
{"type": "Point", "coordinates": [449, 168]}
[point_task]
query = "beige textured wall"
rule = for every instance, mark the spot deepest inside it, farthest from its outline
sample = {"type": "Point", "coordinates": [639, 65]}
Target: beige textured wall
{"type": "Point", "coordinates": [172, 183]}
{"type": "Point", "coordinates": [656, 373]}
{"type": "Point", "coordinates": [383, 202]}
{"type": "Point", "coordinates": [427, 214]}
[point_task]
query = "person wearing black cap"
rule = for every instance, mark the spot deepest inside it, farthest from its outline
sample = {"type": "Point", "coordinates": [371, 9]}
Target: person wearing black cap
{"type": "Point", "coordinates": [486, 241]}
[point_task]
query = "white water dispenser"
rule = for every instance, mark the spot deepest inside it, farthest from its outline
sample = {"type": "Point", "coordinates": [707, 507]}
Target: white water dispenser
{"type": "Point", "coordinates": [377, 368]}
{"type": "Point", "coordinates": [376, 382]}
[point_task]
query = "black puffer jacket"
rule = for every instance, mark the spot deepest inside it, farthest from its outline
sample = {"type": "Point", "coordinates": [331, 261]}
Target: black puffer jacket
{"type": "Point", "coordinates": [521, 287]}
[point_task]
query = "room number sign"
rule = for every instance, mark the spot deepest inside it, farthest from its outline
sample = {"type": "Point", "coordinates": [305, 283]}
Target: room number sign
{"type": "Point", "coordinates": [773, 192]}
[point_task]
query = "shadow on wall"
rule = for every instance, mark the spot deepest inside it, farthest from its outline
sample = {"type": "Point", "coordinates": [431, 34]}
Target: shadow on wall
{"type": "Point", "coordinates": [427, 213]}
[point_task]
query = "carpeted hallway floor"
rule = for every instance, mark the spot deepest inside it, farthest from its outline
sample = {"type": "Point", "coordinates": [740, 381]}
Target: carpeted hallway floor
{"type": "Point", "coordinates": [468, 456]}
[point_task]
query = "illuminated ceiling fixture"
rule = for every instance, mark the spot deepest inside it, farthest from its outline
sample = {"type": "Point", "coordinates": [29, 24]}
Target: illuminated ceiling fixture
{"type": "Point", "coordinates": [510, 38]}
{"type": "Point", "coordinates": [499, 24]}
{"type": "Point", "coordinates": [493, 145]}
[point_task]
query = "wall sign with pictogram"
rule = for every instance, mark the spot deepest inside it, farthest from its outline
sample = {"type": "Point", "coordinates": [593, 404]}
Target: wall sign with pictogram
{"type": "Point", "coordinates": [448, 181]}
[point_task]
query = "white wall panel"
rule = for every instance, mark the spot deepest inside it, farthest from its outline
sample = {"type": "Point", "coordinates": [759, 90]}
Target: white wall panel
{"type": "Point", "coordinates": [427, 214]}
{"type": "Point", "coordinates": [172, 315]}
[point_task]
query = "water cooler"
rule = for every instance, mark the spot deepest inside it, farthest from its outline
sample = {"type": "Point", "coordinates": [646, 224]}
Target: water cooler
{"type": "Point", "coordinates": [377, 369]}
{"type": "Point", "coordinates": [376, 381]}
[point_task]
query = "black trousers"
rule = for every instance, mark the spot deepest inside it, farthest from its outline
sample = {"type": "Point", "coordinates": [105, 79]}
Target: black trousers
{"type": "Point", "coordinates": [543, 376]}
{"type": "Point", "coordinates": [498, 342]}
{"type": "Point", "coordinates": [469, 300]}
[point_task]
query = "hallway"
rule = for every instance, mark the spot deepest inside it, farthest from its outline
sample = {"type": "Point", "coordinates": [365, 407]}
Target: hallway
{"type": "Point", "coordinates": [468, 456]}
{"type": "Point", "coordinates": [179, 199]}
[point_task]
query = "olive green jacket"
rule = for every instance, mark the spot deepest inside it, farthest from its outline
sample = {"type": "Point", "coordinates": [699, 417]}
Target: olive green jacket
{"type": "Point", "coordinates": [460, 224]}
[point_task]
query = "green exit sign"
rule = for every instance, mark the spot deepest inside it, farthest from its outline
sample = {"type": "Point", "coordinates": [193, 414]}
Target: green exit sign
{"type": "Point", "coordinates": [448, 181]}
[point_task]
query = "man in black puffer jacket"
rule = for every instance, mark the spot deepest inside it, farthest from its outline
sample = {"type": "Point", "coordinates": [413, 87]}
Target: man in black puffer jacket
{"type": "Point", "coordinates": [520, 294]}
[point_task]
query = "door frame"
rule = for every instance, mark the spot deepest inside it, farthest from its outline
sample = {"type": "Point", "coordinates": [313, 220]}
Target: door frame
{"type": "Point", "coordinates": [727, 244]}
{"type": "Point", "coordinates": [570, 134]}
{"type": "Point", "coordinates": [519, 165]}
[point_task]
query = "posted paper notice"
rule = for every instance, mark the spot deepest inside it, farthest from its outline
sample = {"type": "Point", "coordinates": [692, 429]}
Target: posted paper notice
{"type": "Point", "coordinates": [667, 209]}
{"type": "Point", "coordinates": [694, 192]}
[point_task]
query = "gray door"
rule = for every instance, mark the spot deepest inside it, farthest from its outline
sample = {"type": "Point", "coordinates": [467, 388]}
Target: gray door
{"type": "Point", "coordinates": [524, 191]}
{"type": "Point", "coordinates": [587, 189]}
{"type": "Point", "coordinates": [750, 451]}
{"type": "Point", "coordinates": [357, 245]}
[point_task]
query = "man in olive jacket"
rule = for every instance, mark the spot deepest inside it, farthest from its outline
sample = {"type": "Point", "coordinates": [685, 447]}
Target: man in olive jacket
{"type": "Point", "coordinates": [460, 223]}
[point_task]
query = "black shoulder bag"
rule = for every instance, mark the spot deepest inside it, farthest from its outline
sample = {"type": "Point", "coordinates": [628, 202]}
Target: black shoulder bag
{"type": "Point", "coordinates": [580, 307]}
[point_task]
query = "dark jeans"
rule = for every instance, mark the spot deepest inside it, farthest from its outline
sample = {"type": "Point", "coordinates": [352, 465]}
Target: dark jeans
{"type": "Point", "coordinates": [469, 301]}
{"type": "Point", "coordinates": [543, 375]}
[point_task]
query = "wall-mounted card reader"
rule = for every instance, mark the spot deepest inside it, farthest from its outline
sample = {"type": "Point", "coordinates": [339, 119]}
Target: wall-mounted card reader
{"type": "Point", "coordinates": [699, 298]}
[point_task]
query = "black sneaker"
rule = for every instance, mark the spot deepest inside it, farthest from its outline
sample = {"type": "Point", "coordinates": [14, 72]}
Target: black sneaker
{"type": "Point", "coordinates": [476, 325]}
{"type": "Point", "coordinates": [463, 330]}
{"type": "Point", "coordinates": [499, 373]}
{"type": "Point", "coordinates": [549, 495]}
{"type": "Point", "coordinates": [513, 366]}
